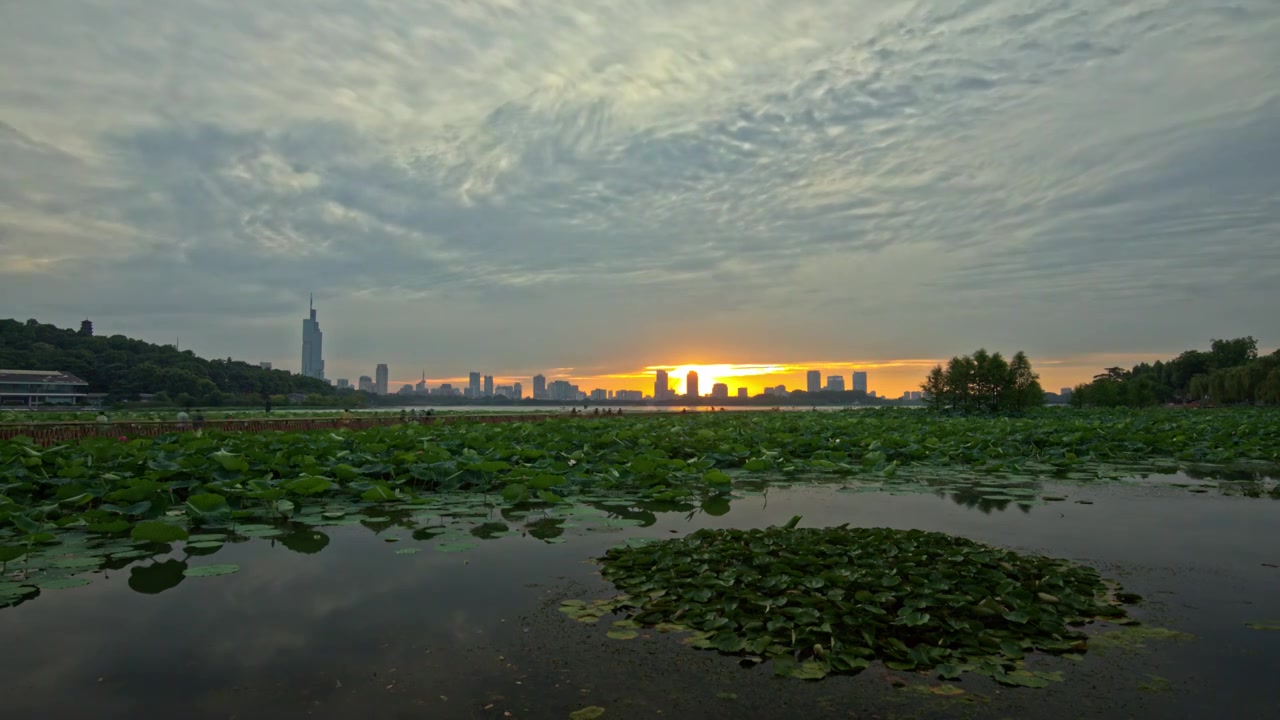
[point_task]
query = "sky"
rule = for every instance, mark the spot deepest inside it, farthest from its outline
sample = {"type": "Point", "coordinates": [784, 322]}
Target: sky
{"type": "Point", "coordinates": [589, 189]}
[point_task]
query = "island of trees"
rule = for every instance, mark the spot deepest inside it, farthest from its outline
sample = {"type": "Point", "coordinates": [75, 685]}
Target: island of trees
{"type": "Point", "coordinates": [1230, 372]}
{"type": "Point", "coordinates": [984, 383]}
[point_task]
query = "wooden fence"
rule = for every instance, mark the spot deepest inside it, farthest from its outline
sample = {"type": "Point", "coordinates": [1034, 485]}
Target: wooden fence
{"type": "Point", "coordinates": [52, 433]}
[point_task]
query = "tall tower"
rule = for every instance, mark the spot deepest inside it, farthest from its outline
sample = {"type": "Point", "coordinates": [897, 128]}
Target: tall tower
{"type": "Point", "coordinates": [691, 385]}
{"type": "Point", "coordinates": [814, 381]}
{"type": "Point", "coordinates": [312, 345]}
{"type": "Point", "coordinates": [488, 386]}
{"type": "Point", "coordinates": [539, 387]}
{"type": "Point", "coordinates": [382, 376]}
{"type": "Point", "coordinates": [473, 384]}
{"type": "Point", "coordinates": [661, 385]}
{"type": "Point", "coordinates": [860, 381]}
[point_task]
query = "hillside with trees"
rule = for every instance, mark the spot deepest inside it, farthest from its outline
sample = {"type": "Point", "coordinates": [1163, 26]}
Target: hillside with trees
{"type": "Point", "coordinates": [1230, 372]}
{"type": "Point", "coordinates": [125, 368]}
{"type": "Point", "coordinates": [984, 383]}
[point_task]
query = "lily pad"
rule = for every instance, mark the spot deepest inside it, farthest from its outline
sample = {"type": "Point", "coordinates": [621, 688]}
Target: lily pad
{"type": "Point", "coordinates": [211, 570]}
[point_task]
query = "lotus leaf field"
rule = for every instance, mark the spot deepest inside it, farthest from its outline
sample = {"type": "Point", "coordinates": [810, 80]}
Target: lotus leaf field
{"type": "Point", "coordinates": [823, 600]}
{"type": "Point", "coordinates": [68, 510]}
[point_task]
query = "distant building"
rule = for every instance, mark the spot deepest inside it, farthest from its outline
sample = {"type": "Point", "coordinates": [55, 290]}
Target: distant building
{"type": "Point", "coordinates": [871, 394]}
{"type": "Point", "coordinates": [835, 383]}
{"type": "Point", "coordinates": [539, 387]}
{"type": "Point", "coordinates": [629, 395]}
{"type": "Point", "coordinates": [312, 346]}
{"type": "Point", "coordinates": [365, 383]}
{"type": "Point", "coordinates": [446, 390]}
{"type": "Point", "coordinates": [915, 394]}
{"type": "Point", "coordinates": [473, 384]}
{"type": "Point", "coordinates": [720, 391]}
{"type": "Point", "coordinates": [405, 389]}
{"type": "Point", "coordinates": [502, 391]}
{"type": "Point", "coordinates": [906, 394]}
{"type": "Point", "coordinates": [343, 383]}
{"type": "Point", "coordinates": [814, 381]}
{"type": "Point", "coordinates": [661, 385]}
{"type": "Point", "coordinates": [383, 376]}
{"type": "Point", "coordinates": [599, 395]}
{"type": "Point", "coordinates": [488, 386]}
{"type": "Point", "coordinates": [1066, 393]}
{"type": "Point", "coordinates": [264, 365]}
{"type": "Point", "coordinates": [563, 391]}
{"type": "Point", "coordinates": [780, 390]}
{"type": "Point", "coordinates": [859, 382]}
{"type": "Point", "coordinates": [517, 392]}
{"type": "Point", "coordinates": [742, 393]}
{"type": "Point", "coordinates": [29, 388]}
{"type": "Point", "coordinates": [691, 384]}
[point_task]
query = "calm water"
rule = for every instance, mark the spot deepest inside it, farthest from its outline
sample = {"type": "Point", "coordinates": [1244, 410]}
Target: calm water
{"type": "Point", "coordinates": [348, 628]}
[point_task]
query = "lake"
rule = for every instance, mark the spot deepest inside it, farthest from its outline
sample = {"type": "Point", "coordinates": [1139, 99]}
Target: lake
{"type": "Point", "coordinates": [336, 622]}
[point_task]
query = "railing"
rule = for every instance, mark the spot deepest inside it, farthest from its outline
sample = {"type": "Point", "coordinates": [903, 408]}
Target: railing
{"type": "Point", "coordinates": [52, 433]}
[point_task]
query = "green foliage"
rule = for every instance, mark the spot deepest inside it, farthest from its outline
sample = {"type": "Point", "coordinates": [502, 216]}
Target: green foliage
{"type": "Point", "coordinates": [985, 383]}
{"type": "Point", "coordinates": [126, 368]}
{"type": "Point", "coordinates": [1230, 372]}
{"type": "Point", "coordinates": [831, 600]}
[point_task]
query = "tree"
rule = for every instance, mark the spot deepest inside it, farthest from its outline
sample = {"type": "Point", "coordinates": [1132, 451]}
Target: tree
{"type": "Point", "coordinates": [984, 382]}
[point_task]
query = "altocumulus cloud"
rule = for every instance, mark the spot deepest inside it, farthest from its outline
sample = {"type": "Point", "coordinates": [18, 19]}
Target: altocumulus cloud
{"type": "Point", "coordinates": [496, 182]}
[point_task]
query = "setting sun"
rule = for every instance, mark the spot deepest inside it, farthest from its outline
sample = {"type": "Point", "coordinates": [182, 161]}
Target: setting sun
{"type": "Point", "coordinates": [732, 375]}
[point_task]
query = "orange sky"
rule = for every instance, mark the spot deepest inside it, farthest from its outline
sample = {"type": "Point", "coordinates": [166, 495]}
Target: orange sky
{"type": "Point", "coordinates": [889, 378]}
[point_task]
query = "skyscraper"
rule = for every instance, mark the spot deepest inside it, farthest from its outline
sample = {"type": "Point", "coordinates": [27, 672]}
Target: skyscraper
{"type": "Point", "coordinates": [517, 391]}
{"type": "Point", "coordinates": [365, 383]}
{"type": "Point", "coordinates": [815, 381]}
{"type": "Point", "coordinates": [661, 385]}
{"type": "Point", "coordinates": [539, 387]}
{"type": "Point", "coordinates": [860, 382]}
{"type": "Point", "coordinates": [473, 384]}
{"type": "Point", "coordinates": [312, 342]}
{"type": "Point", "coordinates": [720, 391]}
{"type": "Point", "coordinates": [488, 386]}
{"type": "Point", "coordinates": [742, 393]}
{"type": "Point", "coordinates": [691, 384]}
{"type": "Point", "coordinates": [382, 375]}
{"type": "Point", "coordinates": [343, 383]}
{"type": "Point", "coordinates": [835, 383]}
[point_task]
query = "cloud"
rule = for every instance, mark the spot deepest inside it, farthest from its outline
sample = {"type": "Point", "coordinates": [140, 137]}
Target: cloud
{"type": "Point", "coordinates": [513, 185]}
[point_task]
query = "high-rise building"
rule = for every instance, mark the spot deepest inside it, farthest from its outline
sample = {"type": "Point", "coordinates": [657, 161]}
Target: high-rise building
{"type": "Point", "coordinates": [488, 386]}
{"type": "Point", "coordinates": [343, 383]}
{"type": "Point", "coordinates": [312, 346]}
{"type": "Point", "coordinates": [539, 387]}
{"type": "Point", "coordinates": [473, 384]}
{"type": "Point", "coordinates": [720, 391]}
{"type": "Point", "coordinates": [365, 383]}
{"type": "Point", "coordinates": [860, 382]}
{"type": "Point", "coordinates": [405, 389]}
{"type": "Point", "coordinates": [815, 381]}
{"type": "Point", "coordinates": [915, 394]}
{"type": "Point", "coordinates": [517, 392]}
{"type": "Point", "coordinates": [383, 376]}
{"type": "Point", "coordinates": [502, 391]}
{"type": "Point", "coordinates": [562, 390]}
{"type": "Point", "coordinates": [629, 395]}
{"type": "Point", "coordinates": [742, 393]}
{"type": "Point", "coordinates": [691, 384]}
{"type": "Point", "coordinates": [421, 387]}
{"type": "Point", "coordinates": [835, 383]}
{"type": "Point", "coordinates": [599, 395]}
{"type": "Point", "coordinates": [661, 385]}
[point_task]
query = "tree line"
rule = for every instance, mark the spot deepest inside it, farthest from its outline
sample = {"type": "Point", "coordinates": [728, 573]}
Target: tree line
{"type": "Point", "coordinates": [125, 368]}
{"type": "Point", "coordinates": [984, 383]}
{"type": "Point", "coordinates": [1230, 372]}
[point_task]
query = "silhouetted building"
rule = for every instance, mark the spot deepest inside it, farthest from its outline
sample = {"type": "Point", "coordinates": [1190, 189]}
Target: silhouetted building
{"type": "Point", "coordinates": [720, 391]}
{"type": "Point", "coordinates": [488, 386]}
{"type": "Point", "coordinates": [661, 385]}
{"type": "Point", "coordinates": [539, 387]}
{"type": "Point", "coordinates": [517, 392]}
{"type": "Point", "coordinates": [859, 382]}
{"type": "Point", "coordinates": [835, 383]}
{"type": "Point", "coordinates": [742, 393]}
{"type": "Point", "coordinates": [365, 383]}
{"type": "Point", "coordinates": [814, 381]}
{"type": "Point", "coordinates": [343, 383]}
{"type": "Point", "coordinates": [383, 376]}
{"type": "Point", "coordinates": [312, 346]}
{"type": "Point", "coordinates": [691, 384]}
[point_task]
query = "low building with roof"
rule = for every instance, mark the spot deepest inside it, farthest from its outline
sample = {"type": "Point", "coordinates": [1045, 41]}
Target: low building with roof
{"type": "Point", "coordinates": [33, 388]}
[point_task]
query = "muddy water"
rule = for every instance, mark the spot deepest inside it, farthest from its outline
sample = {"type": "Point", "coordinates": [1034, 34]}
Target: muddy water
{"type": "Point", "coordinates": [352, 629]}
